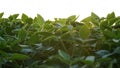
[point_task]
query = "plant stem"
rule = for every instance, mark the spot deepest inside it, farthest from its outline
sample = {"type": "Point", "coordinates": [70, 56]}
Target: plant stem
{"type": "Point", "coordinates": [63, 45]}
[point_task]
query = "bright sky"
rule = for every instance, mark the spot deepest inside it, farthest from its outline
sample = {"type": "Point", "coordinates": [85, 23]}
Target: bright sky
{"type": "Point", "coordinates": [50, 9]}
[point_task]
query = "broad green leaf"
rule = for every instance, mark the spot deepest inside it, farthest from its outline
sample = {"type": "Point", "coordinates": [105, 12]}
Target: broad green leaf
{"type": "Point", "coordinates": [17, 56]}
{"type": "Point", "coordinates": [84, 32]}
{"type": "Point", "coordinates": [72, 18]}
{"type": "Point", "coordinates": [40, 19]}
{"type": "Point", "coordinates": [24, 17]}
{"type": "Point", "coordinates": [64, 55]}
{"type": "Point", "coordinates": [111, 16]}
{"type": "Point", "coordinates": [93, 15]}
{"type": "Point", "coordinates": [22, 34]}
{"type": "Point", "coordinates": [112, 21]}
{"type": "Point", "coordinates": [60, 21]}
{"type": "Point", "coordinates": [109, 34]}
{"type": "Point", "coordinates": [33, 39]}
{"type": "Point", "coordinates": [103, 25]}
{"type": "Point", "coordinates": [14, 16]}
{"type": "Point", "coordinates": [1, 14]}
{"type": "Point", "coordinates": [87, 19]}
{"type": "Point", "coordinates": [95, 19]}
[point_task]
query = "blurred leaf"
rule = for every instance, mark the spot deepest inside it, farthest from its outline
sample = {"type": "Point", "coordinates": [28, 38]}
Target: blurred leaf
{"type": "Point", "coordinates": [84, 32]}
{"type": "Point", "coordinates": [87, 19]}
{"type": "Point", "coordinates": [77, 59]}
{"type": "Point", "coordinates": [102, 52]}
{"type": "Point", "coordinates": [14, 16]}
{"type": "Point", "coordinates": [90, 59]}
{"type": "Point", "coordinates": [64, 55]}
{"type": "Point", "coordinates": [101, 60]}
{"type": "Point", "coordinates": [26, 50]}
{"type": "Point", "coordinates": [39, 19]}
{"type": "Point", "coordinates": [33, 39]}
{"type": "Point", "coordinates": [22, 34]}
{"type": "Point", "coordinates": [109, 34]}
{"type": "Point", "coordinates": [45, 33]}
{"type": "Point", "coordinates": [72, 18]}
{"type": "Point", "coordinates": [95, 19]}
{"type": "Point", "coordinates": [1, 14]}
{"type": "Point", "coordinates": [17, 56]}
{"type": "Point", "coordinates": [111, 16]}
{"type": "Point", "coordinates": [24, 17]}
{"type": "Point", "coordinates": [4, 54]}
{"type": "Point", "coordinates": [117, 50]}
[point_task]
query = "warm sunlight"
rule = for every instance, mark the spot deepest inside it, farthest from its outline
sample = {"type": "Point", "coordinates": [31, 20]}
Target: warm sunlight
{"type": "Point", "coordinates": [50, 9]}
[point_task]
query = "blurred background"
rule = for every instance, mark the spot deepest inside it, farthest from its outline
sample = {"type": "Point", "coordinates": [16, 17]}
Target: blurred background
{"type": "Point", "coordinates": [51, 9]}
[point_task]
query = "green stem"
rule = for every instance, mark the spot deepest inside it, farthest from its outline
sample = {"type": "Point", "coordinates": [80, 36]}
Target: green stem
{"type": "Point", "coordinates": [63, 45]}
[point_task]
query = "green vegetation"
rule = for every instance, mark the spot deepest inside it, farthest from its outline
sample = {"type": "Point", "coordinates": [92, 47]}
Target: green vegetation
{"type": "Point", "coordinates": [93, 42]}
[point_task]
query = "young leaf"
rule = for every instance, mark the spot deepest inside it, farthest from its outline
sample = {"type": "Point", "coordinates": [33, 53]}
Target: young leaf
{"type": "Point", "coordinates": [84, 32]}
{"type": "Point", "coordinates": [64, 55]}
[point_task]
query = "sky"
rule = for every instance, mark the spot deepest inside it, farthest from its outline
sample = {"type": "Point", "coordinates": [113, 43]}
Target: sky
{"type": "Point", "coordinates": [51, 9]}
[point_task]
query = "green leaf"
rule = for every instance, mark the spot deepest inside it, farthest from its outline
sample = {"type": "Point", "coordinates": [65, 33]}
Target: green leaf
{"type": "Point", "coordinates": [95, 19]}
{"type": "Point", "coordinates": [3, 53]}
{"type": "Point", "coordinates": [109, 34]}
{"type": "Point", "coordinates": [117, 50]}
{"type": "Point", "coordinates": [33, 39]}
{"type": "Point", "coordinates": [40, 19]}
{"type": "Point", "coordinates": [111, 16]}
{"type": "Point", "coordinates": [104, 25]}
{"type": "Point", "coordinates": [64, 55]}
{"type": "Point", "coordinates": [22, 34]}
{"type": "Point", "coordinates": [14, 16]}
{"type": "Point", "coordinates": [84, 32]}
{"type": "Point", "coordinates": [24, 17]}
{"type": "Point", "coordinates": [87, 19]}
{"type": "Point", "coordinates": [72, 18]}
{"type": "Point", "coordinates": [17, 56]}
{"type": "Point", "coordinates": [1, 14]}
